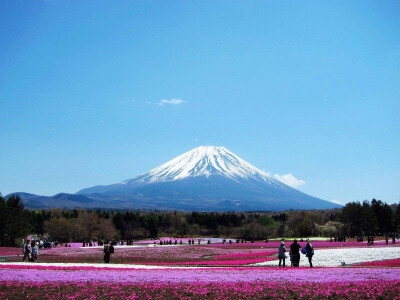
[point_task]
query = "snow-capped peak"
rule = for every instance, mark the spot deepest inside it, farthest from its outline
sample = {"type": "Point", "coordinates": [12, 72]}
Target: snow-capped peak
{"type": "Point", "coordinates": [204, 161]}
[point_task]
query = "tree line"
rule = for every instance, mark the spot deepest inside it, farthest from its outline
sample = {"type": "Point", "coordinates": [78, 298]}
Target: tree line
{"type": "Point", "coordinates": [354, 219]}
{"type": "Point", "coordinates": [370, 218]}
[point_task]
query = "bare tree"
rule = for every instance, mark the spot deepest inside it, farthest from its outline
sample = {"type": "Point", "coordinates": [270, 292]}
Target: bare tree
{"type": "Point", "coordinates": [59, 229]}
{"type": "Point", "coordinates": [88, 225]}
{"type": "Point", "coordinates": [106, 230]}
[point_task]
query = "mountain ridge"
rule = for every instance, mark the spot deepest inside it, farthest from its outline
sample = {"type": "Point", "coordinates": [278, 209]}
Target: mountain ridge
{"type": "Point", "coordinates": [206, 178]}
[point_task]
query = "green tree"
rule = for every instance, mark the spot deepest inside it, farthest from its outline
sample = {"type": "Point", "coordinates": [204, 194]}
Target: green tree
{"type": "Point", "coordinates": [3, 221]}
{"type": "Point", "coordinates": [16, 220]}
{"type": "Point", "coordinates": [352, 216]}
{"type": "Point", "coordinates": [397, 219]}
{"type": "Point", "coordinates": [368, 219]}
{"type": "Point", "coordinates": [307, 227]}
{"type": "Point", "coordinates": [384, 216]}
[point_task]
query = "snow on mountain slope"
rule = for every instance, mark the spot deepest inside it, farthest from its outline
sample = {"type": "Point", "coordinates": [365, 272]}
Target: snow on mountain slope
{"type": "Point", "coordinates": [206, 178]}
{"type": "Point", "coordinates": [203, 161]}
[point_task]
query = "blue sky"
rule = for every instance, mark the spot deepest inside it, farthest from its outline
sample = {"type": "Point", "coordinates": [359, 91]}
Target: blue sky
{"type": "Point", "coordinates": [95, 92]}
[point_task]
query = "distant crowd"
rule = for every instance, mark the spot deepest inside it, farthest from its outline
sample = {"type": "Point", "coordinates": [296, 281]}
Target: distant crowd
{"type": "Point", "coordinates": [30, 249]}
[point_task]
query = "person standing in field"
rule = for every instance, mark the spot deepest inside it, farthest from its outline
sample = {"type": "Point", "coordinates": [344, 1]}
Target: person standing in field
{"type": "Point", "coordinates": [310, 252]}
{"type": "Point", "coordinates": [108, 250]}
{"type": "Point", "coordinates": [27, 250]}
{"type": "Point", "coordinates": [294, 249]}
{"type": "Point", "coordinates": [281, 254]}
{"type": "Point", "coordinates": [35, 251]}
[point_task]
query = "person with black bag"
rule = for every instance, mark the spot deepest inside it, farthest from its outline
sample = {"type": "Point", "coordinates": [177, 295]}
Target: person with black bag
{"type": "Point", "coordinates": [108, 250]}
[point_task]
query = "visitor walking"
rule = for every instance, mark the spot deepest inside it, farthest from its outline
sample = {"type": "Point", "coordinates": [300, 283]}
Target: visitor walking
{"type": "Point", "coordinates": [310, 252]}
{"type": "Point", "coordinates": [27, 250]}
{"type": "Point", "coordinates": [35, 251]}
{"type": "Point", "coordinates": [281, 254]}
{"type": "Point", "coordinates": [294, 249]}
{"type": "Point", "coordinates": [108, 250]}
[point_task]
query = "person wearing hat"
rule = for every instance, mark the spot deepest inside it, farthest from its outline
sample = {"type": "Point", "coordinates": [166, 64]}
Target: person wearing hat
{"type": "Point", "coordinates": [281, 254]}
{"type": "Point", "coordinates": [35, 251]}
{"type": "Point", "coordinates": [310, 252]}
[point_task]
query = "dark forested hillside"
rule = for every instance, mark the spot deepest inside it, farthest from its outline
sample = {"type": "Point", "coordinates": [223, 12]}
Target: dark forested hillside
{"type": "Point", "coordinates": [354, 219]}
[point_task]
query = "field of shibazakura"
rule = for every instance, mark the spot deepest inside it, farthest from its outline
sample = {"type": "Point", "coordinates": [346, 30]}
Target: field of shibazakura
{"type": "Point", "coordinates": [203, 271]}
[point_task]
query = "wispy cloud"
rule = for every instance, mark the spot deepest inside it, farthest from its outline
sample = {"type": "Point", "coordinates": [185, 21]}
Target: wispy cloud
{"type": "Point", "coordinates": [173, 101]}
{"type": "Point", "coordinates": [290, 180]}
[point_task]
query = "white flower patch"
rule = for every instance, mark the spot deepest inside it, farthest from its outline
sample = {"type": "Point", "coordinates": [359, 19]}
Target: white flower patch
{"type": "Point", "coordinates": [335, 257]}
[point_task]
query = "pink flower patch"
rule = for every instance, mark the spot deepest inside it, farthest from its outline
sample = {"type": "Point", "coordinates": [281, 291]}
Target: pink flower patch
{"type": "Point", "coordinates": [383, 263]}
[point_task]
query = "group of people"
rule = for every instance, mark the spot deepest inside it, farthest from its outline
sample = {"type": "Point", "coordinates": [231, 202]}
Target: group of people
{"type": "Point", "coordinates": [165, 242]}
{"type": "Point", "coordinates": [294, 253]}
{"type": "Point", "coordinates": [393, 240]}
{"type": "Point", "coordinates": [92, 244]}
{"type": "Point", "coordinates": [30, 251]}
{"type": "Point", "coordinates": [190, 241]}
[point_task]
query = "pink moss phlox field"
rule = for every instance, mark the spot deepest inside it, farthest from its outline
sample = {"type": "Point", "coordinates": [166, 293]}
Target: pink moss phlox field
{"type": "Point", "coordinates": [247, 255]}
{"type": "Point", "coordinates": [201, 275]}
{"type": "Point", "coordinates": [236, 262]}
{"type": "Point", "coordinates": [383, 263]}
{"type": "Point", "coordinates": [10, 251]}
{"type": "Point", "coordinates": [204, 290]}
{"type": "Point", "coordinates": [316, 244]}
{"type": "Point", "coordinates": [108, 267]}
{"type": "Point", "coordinates": [141, 255]}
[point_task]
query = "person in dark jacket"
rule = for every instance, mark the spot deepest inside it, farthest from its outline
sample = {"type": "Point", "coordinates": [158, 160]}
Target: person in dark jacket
{"type": "Point", "coordinates": [310, 252]}
{"type": "Point", "coordinates": [281, 254]}
{"type": "Point", "coordinates": [294, 249]}
{"type": "Point", "coordinates": [108, 250]}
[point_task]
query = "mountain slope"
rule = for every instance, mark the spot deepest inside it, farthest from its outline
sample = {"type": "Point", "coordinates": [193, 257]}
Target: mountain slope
{"type": "Point", "coordinates": [206, 178]}
{"type": "Point", "coordinates": [61, 200]}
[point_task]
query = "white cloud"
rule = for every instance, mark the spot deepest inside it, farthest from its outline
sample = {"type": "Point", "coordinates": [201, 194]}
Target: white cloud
{"type": "Point", "coordinates": [173, 101]}
{"type": "Point", "coordinates": [290, 180]}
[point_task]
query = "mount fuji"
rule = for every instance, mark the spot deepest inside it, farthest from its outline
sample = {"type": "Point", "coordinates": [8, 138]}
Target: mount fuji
{"type": "Point", "coordinates": [206, 178]}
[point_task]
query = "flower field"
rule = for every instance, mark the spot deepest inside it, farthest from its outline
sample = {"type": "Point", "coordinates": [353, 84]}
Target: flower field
{"type": "Point", "coordinates": [383, 263]}
{"type": "Point", "coordinates": [216, 271]}
{"type": "Point", "coordinates": [4, 251]}
{"type": "Point", "coordinates": [223, 290]}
